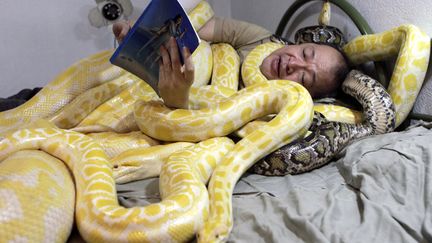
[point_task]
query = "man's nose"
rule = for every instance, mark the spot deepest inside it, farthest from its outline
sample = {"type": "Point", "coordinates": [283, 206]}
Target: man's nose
{"type": "Point", "coordinates": [298, 63]}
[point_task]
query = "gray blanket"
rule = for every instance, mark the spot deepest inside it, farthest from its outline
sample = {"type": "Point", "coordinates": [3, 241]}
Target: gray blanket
{"type": "Point", "coordinates": [379, 191]}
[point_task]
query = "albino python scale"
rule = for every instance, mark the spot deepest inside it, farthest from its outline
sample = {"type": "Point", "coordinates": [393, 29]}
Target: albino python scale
{"type": "Point", "coordinates": [66, 126]}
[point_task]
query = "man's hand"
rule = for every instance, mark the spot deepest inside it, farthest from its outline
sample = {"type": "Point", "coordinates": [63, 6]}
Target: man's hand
{"type": "Point", "coordinates": [175, 80]}
{"type": "Point", "coordinates": [120, 30]}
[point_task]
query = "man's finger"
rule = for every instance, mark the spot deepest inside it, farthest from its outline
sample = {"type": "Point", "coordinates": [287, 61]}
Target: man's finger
{"type": "Point", "coordinates": [188, 59]}
{"type": "Point", "coordinates": [186, 52]}
{"type": "Point", "coordinates": [189, 71]}
{"type": "Point", "coordinates": [174, 54]}
{"type": "Point", "coordinates": [163, 81]}
{"type": "Point", "coordinates": [120, 30]}
{"type": "Point", "coordinates": [165, 58]}
{"type": "Point", "coordinates": [161, 70]}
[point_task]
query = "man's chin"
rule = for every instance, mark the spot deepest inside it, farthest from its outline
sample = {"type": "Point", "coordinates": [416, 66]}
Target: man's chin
{"type": "Point", "coordinates": [263, 71]}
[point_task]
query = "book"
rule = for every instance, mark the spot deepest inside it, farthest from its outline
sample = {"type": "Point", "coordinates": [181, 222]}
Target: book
{"type": "Point", "coordinates": [139, 54]}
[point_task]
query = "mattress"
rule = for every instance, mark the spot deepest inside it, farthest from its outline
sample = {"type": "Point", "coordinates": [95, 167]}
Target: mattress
{"type": "Point", "coordinates": [379, 190]}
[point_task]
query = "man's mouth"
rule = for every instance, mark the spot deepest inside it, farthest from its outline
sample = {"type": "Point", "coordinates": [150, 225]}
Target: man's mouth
{"type": "Point", "coordinates": [275, 67]}
{"type": "Point", "coordinates": [284, 65]}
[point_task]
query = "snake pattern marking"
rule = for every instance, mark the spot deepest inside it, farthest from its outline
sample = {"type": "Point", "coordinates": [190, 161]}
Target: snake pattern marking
{"type": "Point", "coordinates": [97, 214]}
{"type": "Point", "coordinates": [328, 138]}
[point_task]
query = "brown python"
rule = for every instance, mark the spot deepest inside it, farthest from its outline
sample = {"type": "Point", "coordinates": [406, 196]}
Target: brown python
{"type": "Point", "coordinates": [328, 138]}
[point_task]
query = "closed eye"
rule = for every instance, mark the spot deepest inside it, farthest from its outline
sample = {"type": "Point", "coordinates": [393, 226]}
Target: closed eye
{"type": "Point", "coordinates": [308, 53]}
{"type": "Point", "coordinates": [303, 79]}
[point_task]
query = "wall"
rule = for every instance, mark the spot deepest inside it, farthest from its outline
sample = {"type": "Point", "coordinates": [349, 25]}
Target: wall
{"type": "Point", "coordinates": [221, 7]}
{"type": "Point", "coordinates": [381, 15]}
{"type": "Point", "coordinates": [41, 38]}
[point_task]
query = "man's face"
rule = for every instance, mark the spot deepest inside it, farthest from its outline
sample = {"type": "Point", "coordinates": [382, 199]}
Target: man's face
{"type": "Point", "coordinates": [311, 65]}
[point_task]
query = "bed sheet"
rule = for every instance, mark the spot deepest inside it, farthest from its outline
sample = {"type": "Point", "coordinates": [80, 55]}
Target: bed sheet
{"type": "Point", "coordinates": [378, 191]}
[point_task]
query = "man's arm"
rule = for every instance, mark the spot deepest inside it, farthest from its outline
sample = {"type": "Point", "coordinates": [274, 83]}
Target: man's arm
{"type": "Point", "coordinates": [234, 32]}
{"type": "Point", "coordinates": [207, 31]}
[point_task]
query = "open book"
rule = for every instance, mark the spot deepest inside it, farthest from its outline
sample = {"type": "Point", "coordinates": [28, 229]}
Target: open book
{"type": "Point", "coordinates": [139, 51]}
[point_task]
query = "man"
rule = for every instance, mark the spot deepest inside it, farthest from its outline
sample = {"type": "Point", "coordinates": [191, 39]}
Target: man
{"type": "Point", "coordinates": [319, 68]}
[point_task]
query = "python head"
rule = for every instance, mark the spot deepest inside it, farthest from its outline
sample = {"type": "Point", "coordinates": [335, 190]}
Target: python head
{"type": "Point", "coordinates": [322, 33]}
{"type": "Point", "coordinates": [213, 232]}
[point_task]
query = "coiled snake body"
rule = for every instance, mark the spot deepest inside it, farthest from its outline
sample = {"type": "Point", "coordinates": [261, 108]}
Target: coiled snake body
{"type": "Point", "coordinates": [329, 137]}
{"type": "Point", "coordinates": [110, 109]}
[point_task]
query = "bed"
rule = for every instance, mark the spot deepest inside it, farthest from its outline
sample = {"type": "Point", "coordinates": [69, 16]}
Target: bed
{"type": "Point", "coordinates": [378, 190]}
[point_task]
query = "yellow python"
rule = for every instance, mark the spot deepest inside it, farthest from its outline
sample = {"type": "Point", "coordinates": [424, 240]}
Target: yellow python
{"type": "Point", "coordinates": [98, 216]}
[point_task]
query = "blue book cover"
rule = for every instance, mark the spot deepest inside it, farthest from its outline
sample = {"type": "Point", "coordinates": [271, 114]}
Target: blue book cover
{"type": "Point", "coordinates": [139, 51]}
